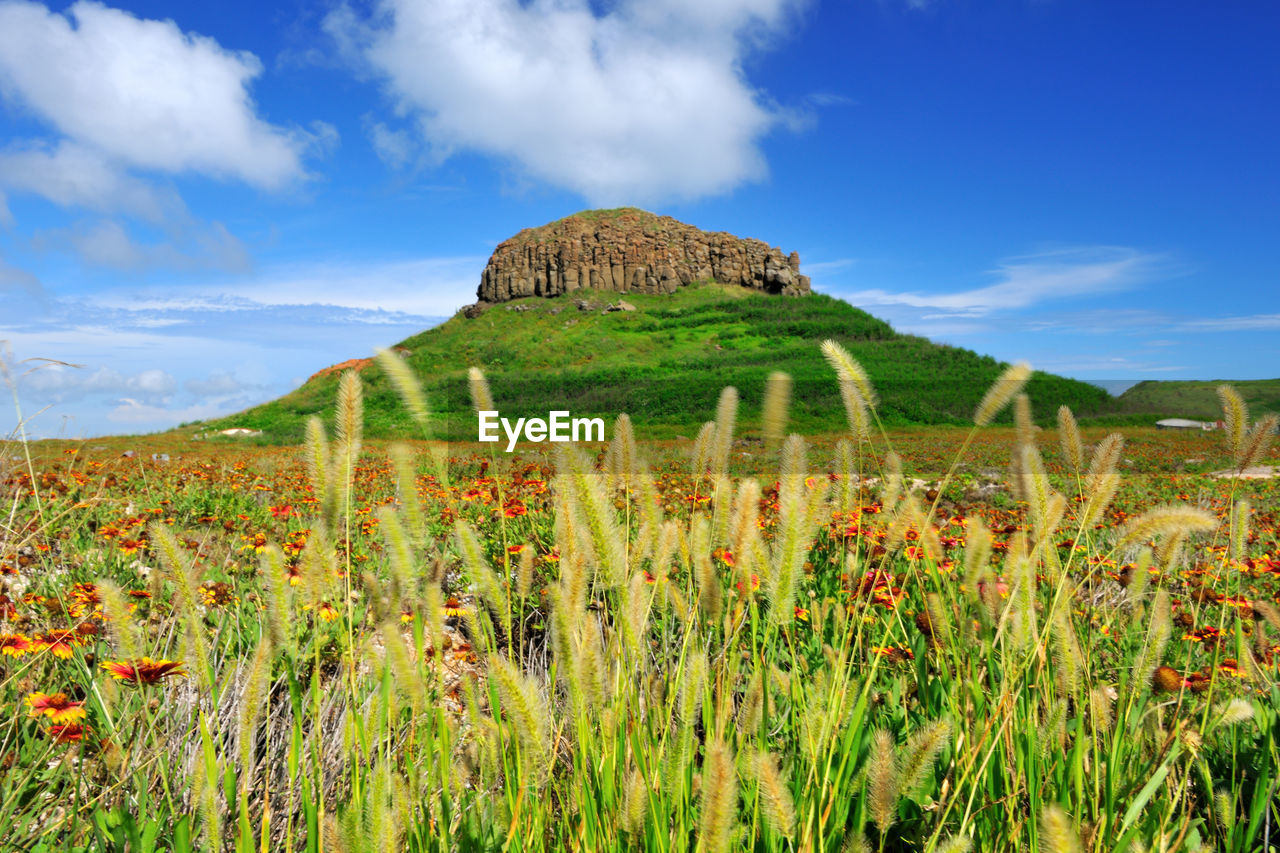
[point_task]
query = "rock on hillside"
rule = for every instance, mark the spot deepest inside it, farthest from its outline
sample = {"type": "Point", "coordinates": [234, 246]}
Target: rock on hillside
{"type": "Point", "coordinates": [631, 251]}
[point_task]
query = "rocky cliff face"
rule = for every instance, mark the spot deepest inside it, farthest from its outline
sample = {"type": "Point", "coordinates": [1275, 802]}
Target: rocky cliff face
{"type": "Point", "coordinates": [631, 251]}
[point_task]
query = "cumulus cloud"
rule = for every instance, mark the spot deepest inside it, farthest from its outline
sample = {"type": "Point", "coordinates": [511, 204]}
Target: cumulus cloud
{"type": "Point", "coordinates": [73, 175]}
{"type": "Point", "coordinates": [645, 101]}
{"type": "Point", "coordinates": [1029, 280]}
{"type": "Point", "coordinates": [59, 383]}
{"type": "Point", "coordinates": [142, 92]}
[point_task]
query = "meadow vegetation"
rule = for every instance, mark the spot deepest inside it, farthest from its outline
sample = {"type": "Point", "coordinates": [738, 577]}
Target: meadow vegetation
{"type": "Point", "coordinates": [1058, 641]}
{"type": "Point", "coordinates": [665, 365]}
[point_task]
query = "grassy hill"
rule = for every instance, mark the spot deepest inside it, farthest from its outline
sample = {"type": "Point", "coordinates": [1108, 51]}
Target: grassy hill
{"type": "Point", "coordinates": [665, 365]}
{"type": "Point", "coordinates": [1199, 400]}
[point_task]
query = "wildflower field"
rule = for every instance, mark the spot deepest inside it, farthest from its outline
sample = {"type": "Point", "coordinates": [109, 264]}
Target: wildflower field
{"type": "Point", "coordinates": [941, 639]}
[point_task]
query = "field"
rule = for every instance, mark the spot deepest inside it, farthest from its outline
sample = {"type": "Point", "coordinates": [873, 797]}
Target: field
{"type": "Point", "coordinates": [947, 638]}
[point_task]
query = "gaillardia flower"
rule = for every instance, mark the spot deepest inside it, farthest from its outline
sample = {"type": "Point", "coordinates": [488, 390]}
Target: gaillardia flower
{"type": "Point", "coordinates": [143, 670]}
{"type": "Point", "coordinates": [56, 706]}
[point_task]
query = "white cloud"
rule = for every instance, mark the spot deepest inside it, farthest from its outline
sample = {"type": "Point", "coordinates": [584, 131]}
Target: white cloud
{"type": "Point", "coordinates": [142, 92]}
{"type": "Point", "coordinates": [139, 415]}
{"type": "Point", "coordinates": [1250, 323]}
{"type": "Point", "coordinates": [380, 291]}
{"type": "Point", "coordinates": [395, 147]}
{"type": "Point", "coordinates": [646, 101]}
{"type": "Point", "coordinates": [220, 383]}
{"type": "Point", "coordinates": [108, 244]}
{"type": "Point", "coordinates": [15, 282]}
{"type": "Point", "coordinates": [73, 175]}
{"type": "Point", "coordinates": [1114, 365]}
{"type": "Point", "coordinates": [60, 384]}
{"type": "Point", "coordinates": [826, 267]}
{"type": "Point", "coordinates": [1032, 279]}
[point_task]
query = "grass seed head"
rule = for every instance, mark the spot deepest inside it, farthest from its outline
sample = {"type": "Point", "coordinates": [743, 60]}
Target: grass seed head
{"type": "Point", "coordinates": [1004, 389]}
{"type": "Point", "coordinates": [1057, 832]}
{"type": "Point", "coordinates": [777, 400]}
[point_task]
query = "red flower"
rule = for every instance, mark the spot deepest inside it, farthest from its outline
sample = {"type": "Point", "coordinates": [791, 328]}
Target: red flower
{"type": "Point", "coordinates": [143, 670]}
{"type": "Point", "coordinates": [68, 733]}
{"type": "Point", "coordinates": [14, 645]}
{"type": "Point", "coordinates": [56, 706]}
{"type": "Point", "coordinates": [59, 643]}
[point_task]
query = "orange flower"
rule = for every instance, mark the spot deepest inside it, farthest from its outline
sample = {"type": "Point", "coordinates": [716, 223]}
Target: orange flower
{"type": "Point", "coordinates": [453, 607]}
{"type": "Point", "coordinates": [327, 611]}
{"type": "Point", "coordinates": [58, 643]}
{"type": "Point", "coordinates": [217, 594]}
{"type": "Point", "coordinates": [56, 706]}
{"type": "Point", "coordinates": [131, 546]}
{"type": "Point", "coordinates": [143, 670]}
{"type": "Point", "coordinates": [14, 645]}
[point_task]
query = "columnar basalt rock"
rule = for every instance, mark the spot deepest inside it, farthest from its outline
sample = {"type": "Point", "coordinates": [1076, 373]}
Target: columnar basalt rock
{"type": "Point", "coordinates": [631, 251]}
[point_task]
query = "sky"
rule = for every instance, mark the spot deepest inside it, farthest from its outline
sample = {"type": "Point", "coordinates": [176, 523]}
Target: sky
{"type": "Point", "coordinates": [203, 204]}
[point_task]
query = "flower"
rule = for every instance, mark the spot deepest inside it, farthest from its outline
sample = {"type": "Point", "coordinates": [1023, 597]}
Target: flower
{"type": "Point", "coordinates": [56, 706]}
{"type": "Point", "coordinates": [217, 594]}
{"type": "Point", "coordinates": [453, 607]}
{"type": "Point", "coordinates": [895, 654]}
{"type": "Point", "coordinates": [58, 643]}
{"type": "Point", "coordinates": [131, 546]}
{"type": "Point", "coordinates": [143, 670]}
{"type": "Point", "coordinates": [68, 733]}
{"type": "Point", "coordinates": [14, 645]}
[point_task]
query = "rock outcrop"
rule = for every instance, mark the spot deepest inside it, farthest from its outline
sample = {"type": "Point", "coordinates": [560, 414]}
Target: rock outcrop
{"type": "Point", "coordinates": [631, 251]}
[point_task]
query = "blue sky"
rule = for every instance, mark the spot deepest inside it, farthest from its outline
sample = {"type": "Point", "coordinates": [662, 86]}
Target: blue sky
{"type": "Point", "coordinates": [203, 204]}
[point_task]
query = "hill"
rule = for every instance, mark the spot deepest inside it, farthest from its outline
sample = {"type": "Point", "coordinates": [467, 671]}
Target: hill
{"type": "Point", "coordinates": [664, 363]}
{"type": "Point", "coordinates": [1198, 400]}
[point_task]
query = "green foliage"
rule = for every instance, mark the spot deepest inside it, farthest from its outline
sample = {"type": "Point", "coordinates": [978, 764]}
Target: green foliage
{"type": "Point", "coordinates": [1199, 400]}
{"type": "Point", "coordinates": [665, 365]}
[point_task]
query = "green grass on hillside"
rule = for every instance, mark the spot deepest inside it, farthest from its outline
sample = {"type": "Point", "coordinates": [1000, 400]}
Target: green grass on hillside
{"type": "Point", "coordinates": [1187, 399]}
{"type": "Point", "coordinates": [665, 364]}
